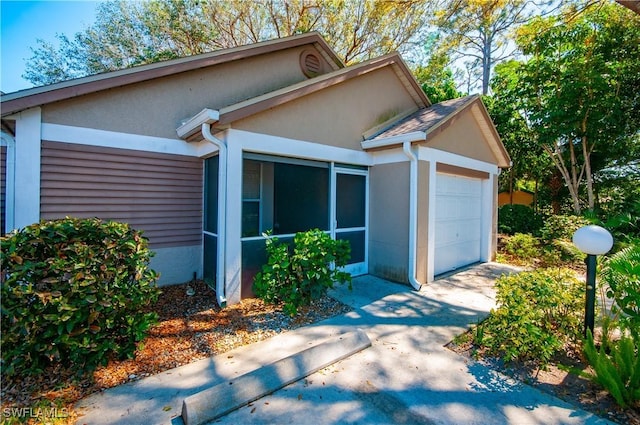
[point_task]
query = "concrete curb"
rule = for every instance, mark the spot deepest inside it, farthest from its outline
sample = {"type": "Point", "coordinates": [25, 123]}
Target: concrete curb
{"type": "Point", "coordinates": [223, 398]}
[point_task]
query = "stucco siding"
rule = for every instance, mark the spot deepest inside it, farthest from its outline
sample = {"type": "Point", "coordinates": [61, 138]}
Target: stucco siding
{"type": "Point", "coordinates": [337, 115]}
{"type": "Point", "coordinates": [389, 221]}
{"type": "Point", "coordinates": [160, 194]}
{"type": "Point", "coordinates": [157, 107]}
{"type": "Point", "coordinates": [462, 136]}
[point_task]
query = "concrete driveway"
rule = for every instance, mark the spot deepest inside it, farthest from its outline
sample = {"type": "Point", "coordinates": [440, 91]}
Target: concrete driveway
{"type": "Point", "coordinates": [407, 376]}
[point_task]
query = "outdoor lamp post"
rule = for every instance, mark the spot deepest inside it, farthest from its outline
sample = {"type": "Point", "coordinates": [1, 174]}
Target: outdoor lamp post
{"type": "Point", "coordinates": [592, 240]}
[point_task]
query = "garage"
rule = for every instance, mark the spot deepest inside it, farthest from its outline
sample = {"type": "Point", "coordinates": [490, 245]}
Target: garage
{"type": "Point", "coordinates": [458, 222]}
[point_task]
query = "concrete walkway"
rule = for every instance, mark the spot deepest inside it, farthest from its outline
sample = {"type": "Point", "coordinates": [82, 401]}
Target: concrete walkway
{"type": "Point", "coordinates": [405, 377]}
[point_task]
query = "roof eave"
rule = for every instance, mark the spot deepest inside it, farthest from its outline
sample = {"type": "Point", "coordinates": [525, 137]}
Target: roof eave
{"type": "Point", "coordinates": [37, 96]}
{"type": "Point", "coordinates": [194, 124]}
{"type": "Point", "coordinates": [391, 141]}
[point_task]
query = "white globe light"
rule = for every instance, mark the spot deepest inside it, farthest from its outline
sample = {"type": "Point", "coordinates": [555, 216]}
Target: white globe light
{"type": "Point", "coordinates": [593, 240]}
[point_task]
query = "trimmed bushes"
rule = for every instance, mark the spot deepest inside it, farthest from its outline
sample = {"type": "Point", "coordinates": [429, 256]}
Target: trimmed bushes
{"type": "Point", "coordinates": [296, 276]}
{"type": "Point", "coordinates": [538, 313]}
{"type": "Point", "coordinates": [514, 219]}
{"type": "Point", "coordinates": [74, 292]}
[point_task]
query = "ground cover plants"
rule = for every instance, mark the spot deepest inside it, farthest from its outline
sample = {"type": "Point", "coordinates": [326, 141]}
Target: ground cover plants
{"type": "Point", "coordinates": [536, 334]}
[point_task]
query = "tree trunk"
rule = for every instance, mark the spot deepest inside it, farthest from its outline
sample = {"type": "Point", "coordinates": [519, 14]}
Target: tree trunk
{"type": "Point", "coordinates": [569, 177]}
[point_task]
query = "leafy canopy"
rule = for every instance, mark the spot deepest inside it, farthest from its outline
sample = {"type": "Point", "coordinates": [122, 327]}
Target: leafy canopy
{"type": "Point", "coordinates": [128, 33]}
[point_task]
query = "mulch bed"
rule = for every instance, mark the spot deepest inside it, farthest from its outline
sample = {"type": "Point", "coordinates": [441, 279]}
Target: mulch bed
{"type": "Point", "coordinates": [190, 328]}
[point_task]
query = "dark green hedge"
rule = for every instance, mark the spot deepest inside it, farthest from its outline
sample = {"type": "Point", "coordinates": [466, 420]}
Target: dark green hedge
{"type": "Point", "coordinates": [74, 292]}
{"type": "Point", "coordinates": [515, 218]}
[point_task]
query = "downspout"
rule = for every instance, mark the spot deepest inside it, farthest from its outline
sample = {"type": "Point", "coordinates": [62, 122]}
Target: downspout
{"type": "Point", "coordinates": [222, 212]}
{"type": "Point", "coordinates": [413, 213]}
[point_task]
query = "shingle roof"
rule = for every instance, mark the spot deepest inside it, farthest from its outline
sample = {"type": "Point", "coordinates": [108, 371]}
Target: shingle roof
{"type": "Point", "coordinates": [427, 118]}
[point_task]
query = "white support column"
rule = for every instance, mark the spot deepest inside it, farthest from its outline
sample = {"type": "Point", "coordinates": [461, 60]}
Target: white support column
{"type": "Point", "coordinates": [431, 234]}
{"type": "Point", "coordinates": [233, 281]}
{"type": "Point", "coordinates": [9, 195]}
{"type": "Point", "coordinates": [487, 218]}
{"type": "Point", "coordinates": [27, 168]}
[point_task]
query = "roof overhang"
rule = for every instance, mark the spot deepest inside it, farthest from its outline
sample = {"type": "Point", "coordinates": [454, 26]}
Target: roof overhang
{"type": "Point", "coordinates": [384, 142]}
{"type": "Point", "coordinates": [37, 96]}
{"type": "Point", "coordinates": [478, 111]}
{"type": "Point", "coordinates": [193, 125]}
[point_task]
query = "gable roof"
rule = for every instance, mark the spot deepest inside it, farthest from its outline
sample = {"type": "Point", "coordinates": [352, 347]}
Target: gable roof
{"type": "Point", "coordinates": [269, 100]}
{"type": "Point", "coordinates": [24, 99]}
{"type": "Point", "coordinates": [428, 121]}
{"type": "Point", "coordinates": [190, 130]}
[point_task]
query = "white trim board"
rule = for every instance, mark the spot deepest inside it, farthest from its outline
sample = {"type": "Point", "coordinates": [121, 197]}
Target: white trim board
{"type": "Point", "coordinates": [437, 155]}
{"type": "Point", "coordinates": [275, 145]}
{"type": "Point", "coordinates": [118, 140]}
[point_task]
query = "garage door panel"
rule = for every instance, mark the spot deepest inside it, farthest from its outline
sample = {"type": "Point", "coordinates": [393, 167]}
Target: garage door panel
{"type": "Point", "coordinates": [458, 222]}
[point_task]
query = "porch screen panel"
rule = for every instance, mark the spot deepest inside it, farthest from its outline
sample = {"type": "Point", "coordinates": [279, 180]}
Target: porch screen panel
{"type": "Point", "coordinates": [301, 198]}
{"type": "Point", "coordinates": [210, 225]}
{"type": "Point", "coordinates": [211, 195]}
{"type": "Point", "coordinates": [210, 263]}
{"type": "Point", "coordinates": [357, 241]}
{"type": "Point", "coordinates": [351, 200]}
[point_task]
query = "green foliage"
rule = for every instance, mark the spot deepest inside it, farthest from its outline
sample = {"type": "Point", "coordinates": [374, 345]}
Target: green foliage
{"type": "Point", "coordinates": [74, 292]}
{"type": "Point", "coordinates": [298, 276]}
{"type": "Point", "coordinates": [129, 33]}
{"type": "Point", "coordinates": [576, 92]}
{"type": "Point", "coordinates": [436, 78]}
{"type": "Point", "coordinates": [522, 248]}
{"type": "Point", "coordinates": [562, 227]}
{"type": "Point", "coordinates": [514, 219]}
{"type": "Point", "coordinates": [617, 367]}
{"type": "Point", "coordinates": [621, 272]}
{"type": "Point", "coordinates": [561, 252]}
{"type": "Point", "coordinates": [538, 312]}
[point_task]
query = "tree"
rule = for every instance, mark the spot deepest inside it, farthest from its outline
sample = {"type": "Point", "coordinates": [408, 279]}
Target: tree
{"type": "Point", "coordinates": [578, 91]}
{"type": "Point", "coordinates": [528, 159]}
{"type": "Point", "coordinates": [478, 30]}
{"type": "Point", "coordinates": [128, 33]}
{"type": "Point", "coordinates": [436, 79]}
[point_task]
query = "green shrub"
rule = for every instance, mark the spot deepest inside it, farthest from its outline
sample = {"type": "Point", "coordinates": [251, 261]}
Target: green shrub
{"type": "Point", "coordinates": [560, 252]}
{"type": "Point", "coordinates": [621, 273]}
{"type": "Point", "coordinates": [73, 293]}
{"type": "Point", "coordinates": [514, 219]}
{"type": "Point", "coordinates": [617, 367]}
{"type": "Point", "coordinates": [522, 248]}
{"type": "Point", "coordinates": [298, 277]}
{"type": "Point", "coordinates": [538, 312]}
{"type": "Point", "coordinates": [562, 227]}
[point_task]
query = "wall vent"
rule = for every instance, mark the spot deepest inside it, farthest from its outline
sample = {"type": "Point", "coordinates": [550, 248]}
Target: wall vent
{"type": "Point", "coordinates": [310, 63]}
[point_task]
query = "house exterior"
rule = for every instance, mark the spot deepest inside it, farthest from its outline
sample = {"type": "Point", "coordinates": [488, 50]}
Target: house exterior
{"type": "Point", "coordinates": [206, 153]}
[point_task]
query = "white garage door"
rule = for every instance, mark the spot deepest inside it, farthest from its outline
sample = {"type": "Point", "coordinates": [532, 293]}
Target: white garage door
{"type": "Point", "coordinates": [458, 222]}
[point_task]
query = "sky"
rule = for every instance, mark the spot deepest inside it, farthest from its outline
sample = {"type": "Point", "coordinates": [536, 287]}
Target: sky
{"type": "Point", "coordinates": [22, 23]}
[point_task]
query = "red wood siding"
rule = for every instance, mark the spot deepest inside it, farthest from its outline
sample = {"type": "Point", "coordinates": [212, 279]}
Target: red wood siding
{"type": "Point", "coordinates": [158, 193]}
